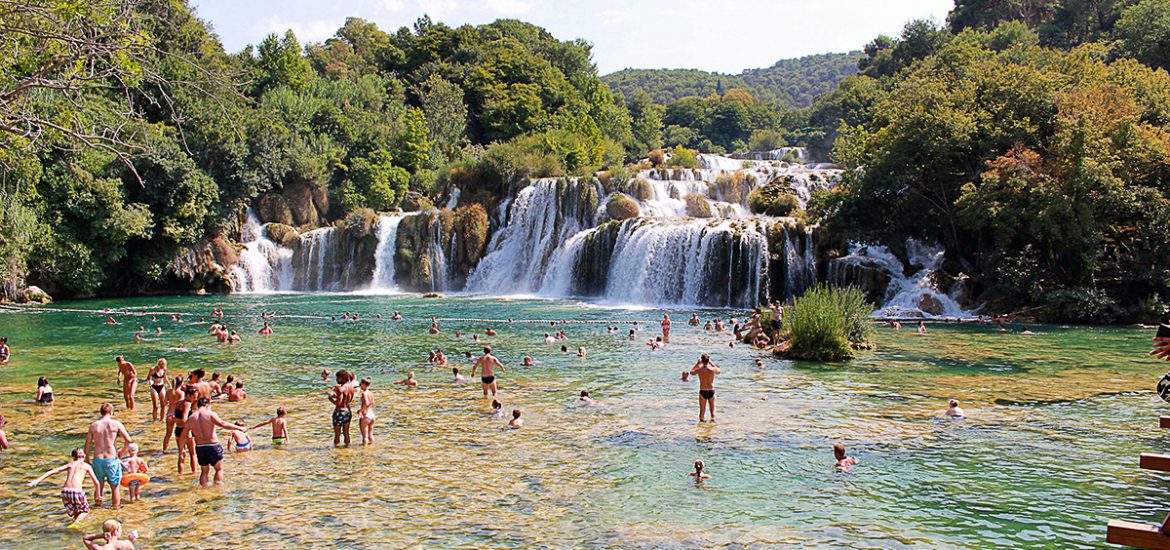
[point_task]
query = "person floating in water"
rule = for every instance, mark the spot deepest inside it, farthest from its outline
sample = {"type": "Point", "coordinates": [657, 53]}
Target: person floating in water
{"type": "Point", "coordinates": [581, 352]}
{"type": "Point", "coordinates": [527, 362]}
{"type": "Point", "coordinates": [706, 371]}
{"type": "Point", "coordinates": [516, 422]}
{"type": "Point", "coordinates": [843, 462]}
{"type": "Point", "coordinates": [72, 494]}
{"type": "Point", "coordinates": [954, 411]}
{"type": "Point", "coordinates": [486, 366]}
{"type": "Point", "coordinates": [698, 474]}
{"type": "Point", "coordinates": [587, 399]}
{"type": "Point", "coordinates": [409, 381]}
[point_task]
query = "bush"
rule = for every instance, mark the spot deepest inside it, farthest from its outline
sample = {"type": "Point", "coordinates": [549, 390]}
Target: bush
{"type": "Point", "coordinates": [734, 187]}
{"type": "Point", "coordinates": [1080, 305]}
{"type": "Point", "coordinates": [657, 158]}
{"type": "Point", "coordinates": [698, 206]}
{"type": "Point", "coordinates": [825, 323]}
{"type": "Point", "coordinates": [773, 200]}
{"type": "Point", "coordinates": [622, 207]}
{"type": "Point", "coordinates": [682, 158]}
{"type": "Point", "coordinates": [765, 140]}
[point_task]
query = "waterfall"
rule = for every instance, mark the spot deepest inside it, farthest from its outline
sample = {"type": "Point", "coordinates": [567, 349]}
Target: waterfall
{"type": "Point", "coordinates": [264, 266]}
{"type": "Point", "coordinates": [453, 202]}
{"type": "Point", "coordinates": [384, 270]}
{"type": "Point", "coordinates": [906, 295]}
{"type": "Point", "coordinates": [440, 275]}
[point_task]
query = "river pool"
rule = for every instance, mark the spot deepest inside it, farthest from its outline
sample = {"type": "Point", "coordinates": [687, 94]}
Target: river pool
{"type": "Point", "coordinates": [1047, 455]}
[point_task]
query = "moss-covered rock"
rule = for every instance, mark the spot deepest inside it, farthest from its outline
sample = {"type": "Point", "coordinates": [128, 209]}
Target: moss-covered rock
{"type": "Point", "coordinates": [273, 208]}
{"type": "Point", "coordinates": [416, 202]}
{"type": "Point", "coordinates": [286, 235]}
{"type": "Point", "coordinates": [622, 207]}
{"type": "Point", "coordinates": [457, 237]}
{"type": "Point", "coordinates": [299, 197]}
{"type": "Point", "coordinates": [735, 187]}
{"type": "Point", "coordinates": [698, 206]}
{"type": "Point", "coordinates": [773, 200]}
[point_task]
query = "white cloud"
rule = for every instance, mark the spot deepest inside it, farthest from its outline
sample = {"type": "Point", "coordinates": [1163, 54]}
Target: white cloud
{"type": "Point", "coordinates": [315, 30]}
{"type": "Point", "coordinates": [392, 5]}
{"type": "Point", "coordinates": [510, 6]}
{"type": "Point", "coordinates": [437, 9]}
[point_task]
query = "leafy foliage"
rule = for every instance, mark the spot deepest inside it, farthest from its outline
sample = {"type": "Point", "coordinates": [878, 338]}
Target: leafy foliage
{"type": "Point", "coordinates": [824, 323]}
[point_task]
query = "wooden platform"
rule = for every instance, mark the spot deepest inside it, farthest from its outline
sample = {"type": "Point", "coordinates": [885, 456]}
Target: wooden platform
{"type": "Point", "coordinates": [1164, 422]}
{"type": "Point", "coordinates": [1151, 461]}
{"type": "Point", "coordinates": [1137, 535]}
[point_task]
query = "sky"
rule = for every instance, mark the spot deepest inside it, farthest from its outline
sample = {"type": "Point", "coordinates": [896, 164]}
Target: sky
{"type": "Point", "coordinates": [725, 36]}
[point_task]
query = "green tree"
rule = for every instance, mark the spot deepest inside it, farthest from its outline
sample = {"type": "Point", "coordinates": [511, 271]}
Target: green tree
{"type": "Point", "coordinates": [1144, 31]}
{"type": "Point", "coordinates": [281, 63]}
{"type": "Point", "coordinates": [446, 114]}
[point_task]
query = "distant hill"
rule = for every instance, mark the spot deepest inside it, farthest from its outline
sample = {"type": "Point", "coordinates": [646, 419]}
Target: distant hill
{"type": "Point", "coordinates": [792, 82]}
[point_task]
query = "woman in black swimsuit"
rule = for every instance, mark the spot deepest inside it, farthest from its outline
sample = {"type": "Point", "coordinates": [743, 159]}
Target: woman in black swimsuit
{"type": "Point", "coordinates": [158, 381]}
{"type": "Point", "coordinates": [44, 391]}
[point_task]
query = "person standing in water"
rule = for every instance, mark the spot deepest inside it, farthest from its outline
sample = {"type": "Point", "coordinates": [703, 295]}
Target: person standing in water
{"type": "Point", "coordinates": [486, 366]}
{"type": "Point", "coordinates": [341, 396]}
{"type": "Point", "coordinates": [366, 413]}
{"type": "Point", "coordinates": [158, 386]}
{"type": "Point", "coordinates": [102, 436]}
{"type": "Point", "coordinates": [128, 379]}
{"type": "Point", "coordinates": [706, 371]}
{"type": "Point", "coordinates": [72, 494]}
{"type": "Point", "coordinates": [201, 427]}
{"type": "Point", "coordinates": [4, 351]}
{"type": "Point", "coordinates": [665, 328]}
{"type": "Point", "coordinates": [44, 392]}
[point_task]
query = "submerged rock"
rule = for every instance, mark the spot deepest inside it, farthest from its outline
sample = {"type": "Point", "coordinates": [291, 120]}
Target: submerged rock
{"type": "Point", "coordinates": [34, 295]}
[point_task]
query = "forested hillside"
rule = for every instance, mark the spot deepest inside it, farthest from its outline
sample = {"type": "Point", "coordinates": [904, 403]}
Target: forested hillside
{"type": "Point", "coordinates": [790, 82]}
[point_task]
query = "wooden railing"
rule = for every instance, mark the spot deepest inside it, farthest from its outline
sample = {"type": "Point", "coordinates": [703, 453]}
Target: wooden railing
{"type": "Point", "coordinates": [1144, 535]}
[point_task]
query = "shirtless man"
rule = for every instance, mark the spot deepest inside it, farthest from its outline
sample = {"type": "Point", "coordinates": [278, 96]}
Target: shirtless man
{"type": "Point", "coordinates": [341, 396]}
{"type": "Point", "coordinates": [706, 371]}
{"type": "Point", "coordinates": [202, 387]}
{"type": "Point", "coordinates": [201, 427]}
{"type": "Point", "coordinates": [128, 379]}
{"type": "Point", "coordinates": [102, 435]}
{"type": "Point", "coordinates": [486, 365]}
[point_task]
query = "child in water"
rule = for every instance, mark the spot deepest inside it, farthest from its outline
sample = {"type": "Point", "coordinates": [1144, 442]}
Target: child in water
{"type": "Point", "coordinates": [239, 439]}
{"type": "Point", "coordinates": [843, 462]}
{"type": "Point", "coordinates": [134, 464]}
{"type": "Point", "coordinates": [409, 381]}
{"type": "Point", "coordinates": [279, 427]}
{"type": "Point", "coordinates": [497, 409]}
{"type": "Point", "coordinates": [516, 422]}
{"type": "Point", "coordinates": [72, 494]}
{"type": "Point", "coordinates": [954, 411]}
{"type": "Point", "coordinates": [698, 473]}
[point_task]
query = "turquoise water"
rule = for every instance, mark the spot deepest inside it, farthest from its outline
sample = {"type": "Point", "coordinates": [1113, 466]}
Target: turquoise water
{"type": "Point", "coordinates": [1047, 456]}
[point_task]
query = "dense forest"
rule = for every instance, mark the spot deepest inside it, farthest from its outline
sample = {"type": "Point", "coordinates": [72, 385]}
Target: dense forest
{"type": "Point", "coordinates": [790, 83]}
{"type": "Point", "coordinates": [1030, 137]}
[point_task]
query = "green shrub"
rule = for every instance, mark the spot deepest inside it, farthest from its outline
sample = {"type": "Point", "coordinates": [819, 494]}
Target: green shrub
{"type": "Point", "coordinates": [773, 200]}
{"type": "Point", "coordinates": [698, 206]}
{"type": "Point", "coordinates": [765, 140]}
{"type": "Point", "coordinates": [1080, 305]}
{"type": "Point", "coordinates": [734, 187]}
{"type": "Point", "coordinates": [682, 157]}
{"type": "Point", "coordinates": [823, 324]}
{"type": "Point", "coordinates": [622, 207]}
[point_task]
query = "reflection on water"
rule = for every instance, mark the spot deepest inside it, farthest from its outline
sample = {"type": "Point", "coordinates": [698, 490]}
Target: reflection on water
{"type": "Point", "coordinates": [1047, 455]}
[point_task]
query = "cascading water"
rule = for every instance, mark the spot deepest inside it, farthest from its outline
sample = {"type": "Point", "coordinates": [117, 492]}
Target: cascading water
{"type": "Point", "coordinates": [913, 295]}
{"type": "Point", "coordinates": [264, 266]}
{"type": "Point", "coordinates": [384, 270]}
{"type": "Point", "coordinates": [440, 272]}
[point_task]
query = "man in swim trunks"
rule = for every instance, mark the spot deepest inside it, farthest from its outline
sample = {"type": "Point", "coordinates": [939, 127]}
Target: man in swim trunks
{"type": "Point", "coordinates": [706, 371]}
{"type": "Point", "coordinates": [486, 365]}
{"type": "Point", "coordinates": [102, 436]}
{"type": "Point", "coordinates": [341, 396]}
{"type": "Point", "coordinates": [128, 379]}
{"type": "Point", "coordinates": [201, 427]}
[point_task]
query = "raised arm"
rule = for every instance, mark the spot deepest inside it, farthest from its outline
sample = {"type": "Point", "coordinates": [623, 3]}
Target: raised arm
{"type": "Point", "coordinates": [225, 425]}
{"type": "Point", "coordinates": [265, 423]}
{"type": "Point", "coordinates": [38, 480]}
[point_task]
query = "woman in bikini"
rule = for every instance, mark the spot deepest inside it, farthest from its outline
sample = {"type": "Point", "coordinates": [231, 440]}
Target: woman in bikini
{"type": "Point", "coordinates": [44, 392]}
{"type": "Point", "coordinates": [366, 413]}
{"type": "Point", "coordinates": [158, 388]}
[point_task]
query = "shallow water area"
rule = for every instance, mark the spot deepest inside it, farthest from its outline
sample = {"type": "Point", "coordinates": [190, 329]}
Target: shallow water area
{"type": "Point", "coordinates": [1047, 455]}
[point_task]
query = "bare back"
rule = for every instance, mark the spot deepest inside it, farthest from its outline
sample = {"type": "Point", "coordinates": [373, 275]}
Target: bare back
{"type": "Point", "coordinates": [706, 373]}
{"type": "Point", "coordinates": [487, 365]}
{"type": "Point", "coordinates": [344, 396]}
{"type": "Point", "coordinates": [104, 435]}
{"type": "Point", "coordinates": [202, 425]}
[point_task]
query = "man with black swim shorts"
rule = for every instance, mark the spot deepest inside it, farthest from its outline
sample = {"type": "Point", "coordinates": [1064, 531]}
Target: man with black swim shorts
{"type": "Point", "coordinates": [706, 371]}
{"type": "Point", "coordinates": [341, 396]}
{"type": "Point", "coordinates": [486, 365]}
{"type": "Point", "coordinates": [201, 426]}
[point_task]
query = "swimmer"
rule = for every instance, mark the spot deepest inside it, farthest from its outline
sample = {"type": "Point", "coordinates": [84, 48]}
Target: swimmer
{"type": "Point", "coordinates": [111, 321]}
{"type": "Point", "coordinates": [216, 387]}
{"type": "Point", "coordinates": [266, 330]}
{"type": "Point", "coordinates": [921, 327]}
{"type": "Point", "coordinates": [181, 347]}
{"type": "Point", "coordinates": [759, 363]}
{"type": "Point", "coordinates": [158, 330]}
{"type": "Point", "coordinates": [72, 494]}
{"type": "Point", "coordinates": [490, 332]}
{"type": "Point", "coordinates": [564, 349]}
{"type": "Point", "coordinates": [548, 338]}
{"type": "Point", "coordinates": [686, 376]}
{"type": "Point", "coordinates": [698, 473]}
{"type": "Point", "coordinates": [434, 327]}
{"type": "Point", "coordinates": [706, 371]}
{"type": "Point", "coordinates": [694, 322]}
{"type": "Point", "coordinates": [475, 338]}
{"type": "Point", "coordinates": [581, 352]}
{"type": "Point", "coordinates": [325, 375]}
{"type": "Point", "coordinates": [486, 366]}
{"type": "Point", "coordinates": [665, 327]}
{"type": "Point", "coordinates": [458, 336]}
{"type": "Point", "coordinates": [112, 534]}
{"type": "Point", "coordinates": [527, 362]}
{"type": "Point", "coordinates": [761, 341]}
{"type": "Point", "coordinates": [467, 355]}
{"type": "Point", "coordinates": [587, 400]}
{"type": "Point", "coordinates": [396, 317]}
{"type": "Point", "coordinates": [341, 396]}
{"type": "Point", "coordinates": [843, 462]}
{"type": "Point", "coordinates": [44, 392]}
{"type": "Point", "coordinates": [459, 378]}
{"type": "Point", "coordinates": [409, 381]}
{"type": "Point", "coordinates": [134, 464]}
{"type": "Point", "coordinates": [440, 358]}
{"type": "Point", "coordinates": [366, 416]}
{"type": "Point", "coordinates": [234, 339]}
{"type": "Point", "coordinates": [896, 325]}
{"type": "Point", "coordinates": [516, 422]}
{"type": "Point", "coordinates": [236, 394]}
{"type": "Point", "coordinates": [279, 427]}
{"type": "Point", "coordinates": [954, 411]}
{"type": "Point", "coordinates": [128, 379]}
{"type": "Point", "coordinates": [239, 440]}
{"type": "Point", "coordinates": [633, 335]}
{"type": "Point", "coordinates": [707, 325]}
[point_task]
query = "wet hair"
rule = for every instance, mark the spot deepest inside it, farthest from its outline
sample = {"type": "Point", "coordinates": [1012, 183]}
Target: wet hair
{"type": "Point", "coordinates": [367, 380]}
{"type": "Point", "coordinates": [839, 451]}
{"type": "Point", "coordinates": [77, 453]}
{"type": "Point", "coordinates": [42, 382]}
{"type": "Point", "coordinates": [239, 385]}
{"type": "Point", "coordinates": [954, 402]}
{"type": "Point", "coordinates": [106, 408]}
{"type": "Point", "coordinates": [496, 404]}
{"type": "Point", "coordinates": [454, 370]}
{"type": "Point", "coordinates": [202, 402]}
{"type": "Point", "coordinates": [487, 350]}
{"type": "Point", "coordinates": [515, 413]}
{"type": "Point", "coordinates": [699, 465]}
{"type": "Point", "coordinates": [704, 359]}
{"type": "Point", "coordinates": [119, 358]}
{"type": "Point", "coordinates": [199, 372]}
{"type": "Point", "coordinates": [584, 393]}
{"type": "Point", "coordinates": [215, 376]}
{"type": "Point", "coordinates": [280, 411]}
{"type": "Point", "coordinates": [564, 348]}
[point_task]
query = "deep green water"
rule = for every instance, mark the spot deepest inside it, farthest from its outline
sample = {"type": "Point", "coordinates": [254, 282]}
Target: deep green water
{"type": "Point", "coordinates": [1047, 456]}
